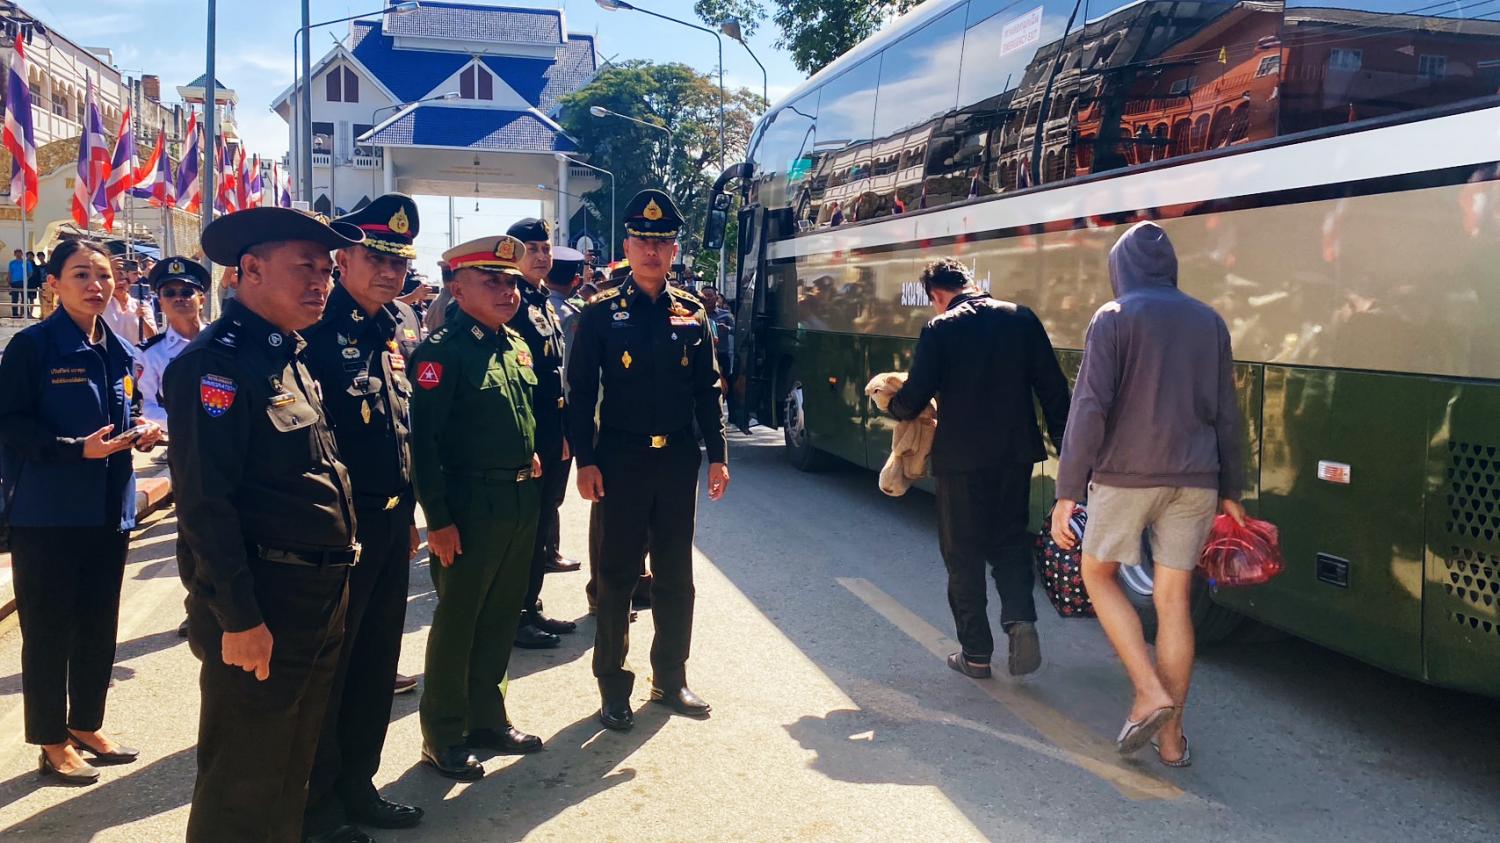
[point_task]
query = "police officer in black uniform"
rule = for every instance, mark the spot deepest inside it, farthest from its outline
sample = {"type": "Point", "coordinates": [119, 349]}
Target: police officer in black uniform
{"type": "Point", "coordinates": [651, 347]}
{"type": "Point", "coordinates": [539, 325]}
{"type": "Point", "coordinates": [266, 525]}
{"type": "Point", "coordinates": [358, 355]}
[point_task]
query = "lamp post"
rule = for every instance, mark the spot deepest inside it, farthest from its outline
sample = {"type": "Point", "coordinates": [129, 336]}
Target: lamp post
{"type": "Point", "coordinates": [732, 28]}
{"type": "Point", "coordinates": [304, 83]}
{"type": "Point", "coordinates": [446, 95]}
{"type": "Point", "coordinates": [613, 221]}
{"type": "Point", "coordinates": [621, 5]}
{"type": "Point", "coordinates": [584, 200]}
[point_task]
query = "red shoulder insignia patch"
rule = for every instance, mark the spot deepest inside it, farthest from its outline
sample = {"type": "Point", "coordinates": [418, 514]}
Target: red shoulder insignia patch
{"type": "Point", "coordinates": [429, 374]}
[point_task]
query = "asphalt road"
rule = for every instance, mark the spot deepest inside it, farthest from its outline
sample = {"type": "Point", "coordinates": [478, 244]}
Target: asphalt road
{"type": "Point", "coordinates": [820, 631]}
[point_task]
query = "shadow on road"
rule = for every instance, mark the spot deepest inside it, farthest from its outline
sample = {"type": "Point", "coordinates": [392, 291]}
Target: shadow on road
{"type": "Point", "coordinates": [124, 795]}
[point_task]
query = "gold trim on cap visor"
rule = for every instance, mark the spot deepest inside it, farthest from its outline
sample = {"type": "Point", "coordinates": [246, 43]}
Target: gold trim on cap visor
{"type": "Point", "coordinates": [400, 250]}
{"type": "Point", "coordinates": [653, 235]}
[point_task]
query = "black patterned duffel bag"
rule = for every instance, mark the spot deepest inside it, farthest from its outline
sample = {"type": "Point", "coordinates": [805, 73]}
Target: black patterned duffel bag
{"type": "Point", "coordinates": [1061, 570]}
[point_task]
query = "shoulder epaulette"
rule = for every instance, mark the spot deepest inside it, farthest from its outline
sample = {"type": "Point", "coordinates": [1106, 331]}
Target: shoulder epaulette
{"type": "Point", "coordinates": [225, 337]}
{"type": "Point", "coordinates": [605, 296]}
{"type": "Point", "coordinates": [440, 334]}
{"type": "Point", "coordinates": [512, 333]}
{"type": "Point", "coordinates": [154, 340]}
{"type": "Point", "coordinates": [685, 295]}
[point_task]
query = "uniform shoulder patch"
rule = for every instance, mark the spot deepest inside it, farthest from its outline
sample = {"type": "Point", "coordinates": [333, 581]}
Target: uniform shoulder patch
{"type": "Point", "coordinates": [216, 394]}
{"type": "Point", "coordinates": [439, 335]}
{"type": "Point", "coordinates": [429, 374]}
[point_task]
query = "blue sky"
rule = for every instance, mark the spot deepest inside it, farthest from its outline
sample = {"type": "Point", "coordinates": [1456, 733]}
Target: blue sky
{"type": "Point", "coordinates": [167, 38]}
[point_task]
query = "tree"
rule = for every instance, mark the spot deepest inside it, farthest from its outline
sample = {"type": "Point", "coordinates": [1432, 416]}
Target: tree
{"type": "Point", "coordinates": [815, 31]}
{"type": "Point", "coordinates": [683, 160]}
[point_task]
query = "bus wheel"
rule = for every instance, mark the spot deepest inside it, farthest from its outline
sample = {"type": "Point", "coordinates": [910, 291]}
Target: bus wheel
{"type": "Point", "coordinates": [799, 447]}
{"type": "Point", "coordinates": [1211, 622]}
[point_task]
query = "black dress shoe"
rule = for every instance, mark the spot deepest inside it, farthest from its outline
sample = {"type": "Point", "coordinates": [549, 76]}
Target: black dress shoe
{"type": "Point", "coordinates": [455, 762]}
{"type": "Point", "coordinates": [558, 565]}
{"type": "Point", "coordinates": [512, 741]}
{"type": "Point", "coordinates": [617, 716]}
{"type": "Point", "coordinates": [405, 684]}
{"type": "Point", "coordinates": [683, 701]}
{"type": "Point", "coordinates": [378, 812]}
{"type": "Point", "coordinates": [87, 774]}
{"type": "Point", "coordinates": [121, 755]}
{"type": "Point", "coordinates": [529, 637]}
{"type": "Point", "coordinates": [342, 834]}
{"type": "Point", "coordinates": [552, 625]}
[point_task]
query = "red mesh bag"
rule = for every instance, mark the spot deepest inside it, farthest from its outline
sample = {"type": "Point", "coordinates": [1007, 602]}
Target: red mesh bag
{"type": "Point", "coordinates": [1241, 555]}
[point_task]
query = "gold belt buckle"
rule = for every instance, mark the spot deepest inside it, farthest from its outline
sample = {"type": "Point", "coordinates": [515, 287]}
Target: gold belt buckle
{"type": "Point", "coordinates": [658, 441]}
{"type": "Point", "coordinates": [392, 501]}
{"type": "Point", "coordinates": [523, 475]}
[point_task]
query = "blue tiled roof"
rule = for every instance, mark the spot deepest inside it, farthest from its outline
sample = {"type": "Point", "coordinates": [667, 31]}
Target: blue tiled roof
{"type": "Point", "coordinates": [474, 128]}
{"type": "Point", "coordinates": [413, 74]}
{"type": "Point", "coordinates": [469, 22]}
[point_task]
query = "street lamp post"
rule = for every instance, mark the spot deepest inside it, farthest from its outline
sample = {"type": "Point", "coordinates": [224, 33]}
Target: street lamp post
{"type": "Point", "coordinates": [446, 95]}
{"type": "Point", "coordinates": [613, 221]}
{"type": "Point", "coordinates": [303, 82]}
{"type": "Point", "coordinates": [732, 28]}
{"type": "Point", "coordinates": [621, 5]}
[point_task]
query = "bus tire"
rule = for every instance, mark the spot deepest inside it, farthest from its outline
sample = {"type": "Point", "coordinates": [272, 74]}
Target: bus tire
{"type": "Point", "coordinates": [1212, 623]}
{"type": "Point", "coordinates": [799, 450]}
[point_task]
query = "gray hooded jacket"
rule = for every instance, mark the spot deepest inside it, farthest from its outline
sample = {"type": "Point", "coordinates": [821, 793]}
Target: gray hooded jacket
{"type": "Point", "coordinates": [1155, 403]}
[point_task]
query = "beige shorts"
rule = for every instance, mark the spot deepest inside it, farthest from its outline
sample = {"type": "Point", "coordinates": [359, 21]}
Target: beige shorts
{"type": "Point", "coordinates": [1176, 520]}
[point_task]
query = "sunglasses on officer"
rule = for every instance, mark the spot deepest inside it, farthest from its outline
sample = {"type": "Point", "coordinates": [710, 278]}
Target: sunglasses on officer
{"type": "Point", "coordinates": [178, 291]}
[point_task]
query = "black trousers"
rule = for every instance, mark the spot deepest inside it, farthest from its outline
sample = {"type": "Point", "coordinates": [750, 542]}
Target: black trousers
{"type": "Point", "coordinates": [67, 582]}
{"type": "Point", "coordinates": [982, 518]}
{"type": "Point", "coordinates": [256, 739]}
{"type": "Point", "coordinates": [650, 499]}
{"type": "Point", "coordinates": [596, 555]}
{"type": "Point", "coordinates": [359, 702]}
{"type": "Point", "coordinates": [553, 487]}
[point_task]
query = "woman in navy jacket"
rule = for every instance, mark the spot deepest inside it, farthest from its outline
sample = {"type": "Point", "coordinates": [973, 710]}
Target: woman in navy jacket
{"type": "Point", "coordinates": [69, 490]}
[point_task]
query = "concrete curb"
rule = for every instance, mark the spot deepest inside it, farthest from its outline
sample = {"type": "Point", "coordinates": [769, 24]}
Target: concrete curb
{"type": "Point", "coordinates": [151, 495]}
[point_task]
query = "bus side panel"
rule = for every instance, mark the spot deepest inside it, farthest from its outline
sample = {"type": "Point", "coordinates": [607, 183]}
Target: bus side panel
{"type": "Point", "coordinates": [1462, 619]}
{"type": "Point", "coordinates": [832, 369]}
{"type": "Point", "coordinates": [1354, 552]}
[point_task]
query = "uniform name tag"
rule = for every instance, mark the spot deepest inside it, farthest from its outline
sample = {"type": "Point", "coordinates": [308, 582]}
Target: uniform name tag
{"type": "Point", "coordinates": [281, 399]}
{"type": "Point", "coordinates": [682, 321]}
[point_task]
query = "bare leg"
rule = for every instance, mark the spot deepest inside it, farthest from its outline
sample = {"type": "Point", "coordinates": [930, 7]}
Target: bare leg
{"type": "Point", "coordinates": [1123, 629]}
{"type": "Point", "coordinates": [1174, 648]}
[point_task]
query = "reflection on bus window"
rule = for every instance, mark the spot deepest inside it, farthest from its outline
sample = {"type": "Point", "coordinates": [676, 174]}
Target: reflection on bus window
{"type": "Point", "coordinates": [782, 153]}
{"type": "Point", "coordinates": [842, 155]}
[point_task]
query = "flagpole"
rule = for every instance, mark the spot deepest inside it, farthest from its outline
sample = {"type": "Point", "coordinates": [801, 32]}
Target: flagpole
{"type": "Point", "coordinates": [26, 279]}
{"type": "Point", "coordinates": [210, 127]}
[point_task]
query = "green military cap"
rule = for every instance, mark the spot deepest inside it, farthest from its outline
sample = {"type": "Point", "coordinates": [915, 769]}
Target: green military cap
{"type": "Point", "coordinates": [390, 224]}
{"type": "Point", "coordinates": [228, 237]}
{"type": "Point", "coordinates": [530, 230]}
{"type": "Point", "coordinates": [652, 215]}
{"type": "Point", "coordinates": [177, 268]}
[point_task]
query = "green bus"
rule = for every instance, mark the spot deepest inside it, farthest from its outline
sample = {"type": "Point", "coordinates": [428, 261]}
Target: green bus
{"type": "Point", "coordinates": [1328, 173]}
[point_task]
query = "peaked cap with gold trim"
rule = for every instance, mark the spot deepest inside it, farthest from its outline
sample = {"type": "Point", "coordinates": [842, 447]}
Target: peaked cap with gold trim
{"type": "Point", "coordinates": [178, 268]}
{"type": "Point", "coordinates": [390, 224]}
{"type": "Point", "coordinates": [500, 253]}
{"type": "Point", "coordinates": [652, 215]}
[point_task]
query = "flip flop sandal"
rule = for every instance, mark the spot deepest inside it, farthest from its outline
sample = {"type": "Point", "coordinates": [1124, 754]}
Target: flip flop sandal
{"type": "Point", "coordinates": [1137, 733]}
{"type": "Point", "coordinates": [1187, 754]}
{"type": "Point", "coordinates": [967, 668]}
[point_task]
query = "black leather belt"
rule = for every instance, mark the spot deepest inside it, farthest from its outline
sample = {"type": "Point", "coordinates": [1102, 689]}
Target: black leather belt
{"type": "Point", "coordinates": [647, 440]}
{"type": "Point", "coordinates": [491, 475]}
{"type": "Point", "coordinates": [385, 502]}
{"type": "Point", "coordinates": [308, 558]}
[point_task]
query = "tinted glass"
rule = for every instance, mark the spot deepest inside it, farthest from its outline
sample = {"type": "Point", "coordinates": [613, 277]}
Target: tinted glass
{"type": "Point", "coordinates": [1351, 60]}
{"type": "Point", "coordinates": [783, 153]}
{"type": "Point", "coordinates": [842, 151]}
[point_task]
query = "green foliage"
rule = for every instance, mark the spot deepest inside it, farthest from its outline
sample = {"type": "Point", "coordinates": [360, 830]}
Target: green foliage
{"type": "Point", "coordinates": [684, 160]}
{"type": "Point", "coordinates": [815, 32]}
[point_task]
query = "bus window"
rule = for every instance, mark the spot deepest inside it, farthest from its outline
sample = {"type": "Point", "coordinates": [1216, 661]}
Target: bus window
{"type": "Point", "coordinates": [1370, 59]}
{"type": "Point", "coordinates": [918, 87]}
{"type": "Point", "coordinates": [843, 137]}
{"type": "Point", "coordinates": [783, 153]}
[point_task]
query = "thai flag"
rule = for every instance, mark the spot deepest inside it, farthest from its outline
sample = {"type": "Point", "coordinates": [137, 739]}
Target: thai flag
{"type": "Point", "coordinates": [224, 202]}
{"type": "Point", "coordinates": [189, 182]}
{"type": "Point", "coordinates": [241, 180]}
{"type": "Point", "coordinates": [282, 185]}
{"type": "Point", "coordinates": [254, 186]}
{"type": "Point", "coordinates": [93, 165]}
{"type": "Point", "coordinates": [122, 172]}
{"type": "Point", "coordinates": [18, 137]}
{"type": "Point", "coordinates": [155, 176]}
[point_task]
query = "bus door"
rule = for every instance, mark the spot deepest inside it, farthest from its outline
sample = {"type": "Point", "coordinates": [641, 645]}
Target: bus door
{"type": "Point", "coordinates": [749, 389]}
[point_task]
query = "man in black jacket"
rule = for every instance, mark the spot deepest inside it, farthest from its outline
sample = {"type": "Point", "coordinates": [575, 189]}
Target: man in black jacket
{"type": "Point", "coordinates": [984, 359]}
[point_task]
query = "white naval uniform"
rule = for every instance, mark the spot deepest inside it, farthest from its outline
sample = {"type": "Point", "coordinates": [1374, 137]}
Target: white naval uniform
{"type": "Point", "coordinates": [154, 362]}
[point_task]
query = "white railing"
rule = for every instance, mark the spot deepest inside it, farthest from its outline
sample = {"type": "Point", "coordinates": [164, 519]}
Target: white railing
{"type": "Point", "coordinates": [362, 162]}
{"type": "Point", "coordinates": [322, 159]}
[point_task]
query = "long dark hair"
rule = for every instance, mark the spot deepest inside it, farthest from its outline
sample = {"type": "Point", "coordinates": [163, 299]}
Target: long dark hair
{"type": "Point", "coordinates": [67, 249]}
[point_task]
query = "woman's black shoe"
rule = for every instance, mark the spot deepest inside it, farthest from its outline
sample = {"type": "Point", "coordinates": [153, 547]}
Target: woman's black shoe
{"type": "Point", "coordinates": [121, 755]}
{"type": "Point", "coordinates": [86, 774]}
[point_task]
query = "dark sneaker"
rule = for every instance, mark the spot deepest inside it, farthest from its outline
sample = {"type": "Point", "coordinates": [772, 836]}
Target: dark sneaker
{"type": "Point", "coordinates": [1025, 648]}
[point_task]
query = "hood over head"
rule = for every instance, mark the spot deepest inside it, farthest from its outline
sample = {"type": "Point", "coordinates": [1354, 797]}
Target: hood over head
{"type": "Point", "coordinates": [1142, 258]}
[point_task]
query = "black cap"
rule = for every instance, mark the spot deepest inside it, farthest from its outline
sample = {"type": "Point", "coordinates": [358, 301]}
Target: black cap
{"type": "Point", "coordinates": [566, 263]}
{"type": "Point", "coordinates": [390, 224]}
{"type": "Point", "coordinates": [530, 230]}
{"type": "Point", "coordinates": [226, 238]}
{"type": "Point", "coordinates": [130, 264]}
{"type": "Point", "coordinates": [652, 215]}
{"type": "Point", "coordinates": [177, 268]}
{"type": "Point", "coordinates": [116, 248]}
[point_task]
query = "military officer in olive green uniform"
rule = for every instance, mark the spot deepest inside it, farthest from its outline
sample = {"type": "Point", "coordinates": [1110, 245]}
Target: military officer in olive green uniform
{"type": "Point", "coordinates": [475, 470]}
{"type": "Point", "coordinates": [650, 346]}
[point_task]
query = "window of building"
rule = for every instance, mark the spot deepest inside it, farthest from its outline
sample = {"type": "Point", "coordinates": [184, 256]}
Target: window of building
{"type": "Point", "coordinates": [342, 85]}
{"type": "Point", "coordinates": [322, 140]}
{"type": "Point", "coordinates": [1268, 66]}
{"type": "Point", "coordinates": [60, 105]}
{"type": "Point", "coordinates": [1345, 58]}
{"type": "Point", "coordinates": [1432, 67]}
{"type": "Point", "coordinates": [1182, 87]}
{"type": "Point", "coordinates": [476, 83]}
